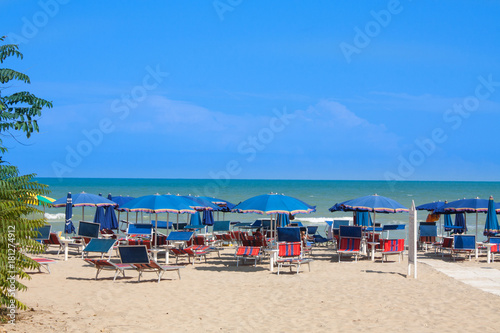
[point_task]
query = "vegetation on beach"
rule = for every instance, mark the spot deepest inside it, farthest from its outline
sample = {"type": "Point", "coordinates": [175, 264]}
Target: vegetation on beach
{"type": "Point", "coordinates": [18, 112]}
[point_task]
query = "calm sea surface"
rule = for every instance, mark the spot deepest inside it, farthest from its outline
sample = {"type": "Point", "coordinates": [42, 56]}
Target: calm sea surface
{"type": "Point", "coordinates": [321, 193]}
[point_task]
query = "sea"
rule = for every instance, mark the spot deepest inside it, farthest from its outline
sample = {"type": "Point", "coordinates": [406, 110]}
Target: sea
{"type": "Point", "coordinates": [320, 193]}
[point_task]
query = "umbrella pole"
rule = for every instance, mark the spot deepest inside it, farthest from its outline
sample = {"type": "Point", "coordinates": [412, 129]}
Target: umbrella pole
{"type": "Point", "coordinates": [373, 235]}
{"type": "Point", "coordinates": [83, 213]}
{"type": "Point", "coordinates": [477, 216]}
{"type": "Point", "coordinates": [168, 229]}
{"type": "Point", "coordinates": [156, 231]}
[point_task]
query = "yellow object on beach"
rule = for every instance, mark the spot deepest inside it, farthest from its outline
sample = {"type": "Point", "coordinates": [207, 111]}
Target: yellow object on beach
{"type": "Point", "coordinates": [60, 235]}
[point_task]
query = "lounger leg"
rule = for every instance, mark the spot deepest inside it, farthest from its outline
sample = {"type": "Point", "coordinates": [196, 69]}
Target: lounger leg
{"type": "Point", "coordinates": [98, 271]}
{"type": "Point", "coordinates": [139, 278]}
{"type": "Point", "coordinates": [179, 273]}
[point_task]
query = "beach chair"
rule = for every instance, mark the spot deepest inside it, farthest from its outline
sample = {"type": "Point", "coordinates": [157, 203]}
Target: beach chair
{"type": "Point", "coordinates": [495, 249]}
{"type": "Point", "coordinates": [43, 233]}
{"type": "Point", "coordinates": [427, 235]}
{"type": "Point", "coordinates": [44, 263]}
{"type": "Point", "coordinates": [349, 241]}
{"type": "Point", "coordinates": [139, 230]}
{"type": "Point", "coordinates": [445, 245]}
{"type": "Point", "coordinates": [108, 265]}
{"type": "Point", "coordinates": [464, 244]}
{"type": "Point", "coordinates": [392, 246]}
{"type": "Point", "coordinates": [99, 245]}
{"type": "Point", "coordinates": [247, 252]}
{"type": "Point", "coordinates": [290, 254]}
{"type": "Point", "coordinates": [188, 252]}
{"type": "Point", "coordinates": [137, 256]}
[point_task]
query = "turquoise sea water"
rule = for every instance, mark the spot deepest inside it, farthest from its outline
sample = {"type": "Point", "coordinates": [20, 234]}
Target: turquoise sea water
{"type": "Point", "coordinates": [321, 193]}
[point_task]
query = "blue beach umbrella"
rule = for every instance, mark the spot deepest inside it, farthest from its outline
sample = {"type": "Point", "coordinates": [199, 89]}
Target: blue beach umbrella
{"type": "Point", "coordinates": [491, 227]}
{"type": "Point", "coordinates": [371, 203]}
{"type": "Point", "coordinates": [69, 228]}
{"type": "Point", "coordinates": [224, 205]}
{"type": "Point", "coordinates": [431, 206]}
{"type": "Point", "coordinates": [99, 214]}
{"type": "Point", "coordinates": [201, 203]}
{"type": "Point", "coordinates": [274, 203]}
{"type": "Point", "coordinates": [208, 217]}
{"type": "Point", "coordinates": [120, 201]}
{"type": "Point", "coordinates": [110, 220]}
{"type": "Point", "coordinates": [460, 222]}
{"type": "Point", "coordinates": [85, 199]}
{"type": "Point", "coordinates": [155, 204]}
{"type": "Point", "coordinates": [475, 205]}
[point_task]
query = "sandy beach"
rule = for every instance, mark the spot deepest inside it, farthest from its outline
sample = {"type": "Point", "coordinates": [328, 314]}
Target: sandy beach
{"type": "Point", "coordinates": [217, 296]}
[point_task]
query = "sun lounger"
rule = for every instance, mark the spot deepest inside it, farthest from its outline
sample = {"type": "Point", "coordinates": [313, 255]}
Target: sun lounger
{"type": "Point", "coordinates": [99, 245]}
{"type": "Point", "coordinates": [43, 233]}
{"type": "Point", "coordinates": [349, 241]}
{"type": "Point", "coordinates": [495, 249]}
{"type": "Point", "coordinates": [54, 240]}
{"type": "Point", "coordinates": [105, 264]}
{"type": "Point", "coordinates": [392, 246]}
{"type": "Point", "coordinates": [464, 244]}
{"type": "Point", "coordinates": [135, 230]}
{"type": "Point", "coordinates": [290, 254]}
{"type": "Point", "coordinates": [247, 252]}
{"type": "Point", "coordinates": [137, 256]}
{"type": "Point", "coordinates": [189, 253]}
{"type": "Point", "coordinates": [44, 263]}
{"type": "Point", "coordinates": [427, 235]}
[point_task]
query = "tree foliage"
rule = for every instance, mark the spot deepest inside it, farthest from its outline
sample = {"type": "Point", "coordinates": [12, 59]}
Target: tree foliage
{"type": "Point", "coordinates": [18, 111]}
{"type": "Point", "coordinates": [17, 231]}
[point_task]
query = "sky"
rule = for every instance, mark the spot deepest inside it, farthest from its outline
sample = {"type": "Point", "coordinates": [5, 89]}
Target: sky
{"type": "Point", "coordinates": [363, 90]}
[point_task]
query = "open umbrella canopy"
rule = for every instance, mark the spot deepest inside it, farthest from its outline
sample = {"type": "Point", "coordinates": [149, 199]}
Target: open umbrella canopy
{"type": "Point", "coordinates": [120, 201]}
{"type": "Point", "coordinates": [431, 206]}
{"type": "Point", "coordinates": [160, 204]}
{"type": "Point", "coordinates": [370, 203]}
{"type": "Point", "coordinates": [85, 199]}
{"type": "Point", "coordinates": [475, 205]}
{"type": "Point", "coordinates": [224, 205]}
{"type": "Point", "coordinates": [274, 204]}
{"type": "Point", "coordinates": [201, 203]}
{"type": "Point", "coordinates": [491, 227]}
{"type": "Point", "coordinates": [41, 200]}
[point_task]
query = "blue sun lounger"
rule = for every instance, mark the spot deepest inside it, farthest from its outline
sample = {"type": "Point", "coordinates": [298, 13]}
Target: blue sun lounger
{"type": "Point", "coordinates": [464, 244]}
{"type": "Point", "coordinates": [137, 257]}
{"type": "Point", "coordinates": [43, 233]}
{"type": "Point", "coordinates": [99, 245]}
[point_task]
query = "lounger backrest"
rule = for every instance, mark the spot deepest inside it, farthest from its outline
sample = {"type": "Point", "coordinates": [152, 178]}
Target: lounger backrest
{"type": "Point", "coordinates": [289, 234]}
{"type": "Point", "coordinates": [43, 233]}
{"type": "Point", "coordinates": [338, 223]}
{"type": "Point", "coordinates": [99, 245]}
{"type": "Point", "coordinates": [495, 248]}
{"type": "Point", "coordinates": [180, 236]}
{"type": "Point", "coordinates": [464, 242]}
{"type": "Point", "coordinates": [289, 249]}
{"type": "Point", "coordinates": [350, 244]}
{"type": "Point", "coordinates": [392, 245]}
{"type": "Point", "coordinates": [88, 229]}
{"type": "Point", "coordinates": [311, 230]}
{"type": "Point", "coordinates": [350, 231]}
{"type": "Point", "coordinates": [248, 251]}
{"type": "Point", "coordinates": [140, 229]}
{"type": "Point", "coordinates": [145, 242]}
{"type": "Point", "coordinates": [428, 230]}
{"type": "Point", "coordinates": [53, 239]}
{"type": "Point", "coordinates": [133, 254]}
{"type": "Point", "coordinates": [448, 242]}
{"type": "Point", "coordinates": [220, 226]}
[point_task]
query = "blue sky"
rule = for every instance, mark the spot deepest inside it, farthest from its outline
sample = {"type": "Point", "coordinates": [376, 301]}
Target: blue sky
{"type": "Point", "coordinates": [405, 90]}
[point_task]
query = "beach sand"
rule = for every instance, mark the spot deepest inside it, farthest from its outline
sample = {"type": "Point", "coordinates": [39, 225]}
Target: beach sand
{"type": "Point", "coordinates": [217, 296]}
